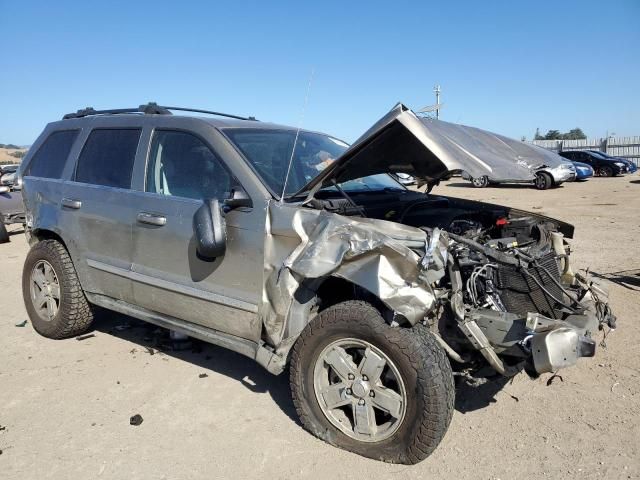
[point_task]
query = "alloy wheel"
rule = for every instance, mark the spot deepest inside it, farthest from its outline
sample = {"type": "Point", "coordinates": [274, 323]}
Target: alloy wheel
{"type": "Point", "coordinates": [45, 290]}
{"type": "Point", "coordinates": [360, 390]}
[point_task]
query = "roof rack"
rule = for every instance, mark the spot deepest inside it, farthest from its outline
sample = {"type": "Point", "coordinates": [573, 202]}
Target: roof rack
{"type": "Point", "coordinates": [150, 108]}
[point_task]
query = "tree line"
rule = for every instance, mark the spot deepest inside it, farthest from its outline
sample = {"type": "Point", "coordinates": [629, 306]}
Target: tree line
{"type": "Point", "coordinates": [573, 134]}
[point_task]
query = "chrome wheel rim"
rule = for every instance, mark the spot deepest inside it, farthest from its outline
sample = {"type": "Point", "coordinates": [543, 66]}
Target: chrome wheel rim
{"type": "Point", "coordinates": [45, 290]}
{"type": "Point", "coordinates": [359, 390]}
{"type": "Point", "coordinates": [479, 182]}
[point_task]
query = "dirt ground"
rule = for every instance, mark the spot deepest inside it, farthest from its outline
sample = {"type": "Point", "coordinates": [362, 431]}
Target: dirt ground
{"type": "Point", "coordinates": [65, 405]}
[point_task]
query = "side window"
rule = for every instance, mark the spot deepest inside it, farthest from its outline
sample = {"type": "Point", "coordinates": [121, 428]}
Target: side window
{"type": "Point", "coordinates": [107, 157]}
{"type": "Point", "coordinates": [180, 164]}
{"type": "Point", "coordinates": [51, 157]}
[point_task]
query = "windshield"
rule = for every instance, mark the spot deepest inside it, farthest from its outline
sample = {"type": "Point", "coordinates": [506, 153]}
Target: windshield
{"type": "Point", "coordinates": [269, 152]}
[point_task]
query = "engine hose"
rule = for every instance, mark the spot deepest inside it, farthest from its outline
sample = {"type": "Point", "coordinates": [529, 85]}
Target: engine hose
{"type": "Point", "coordinates": [488, 251]}
{"type": "Point", "coordinates": [555, 281]}
{"type": "Point", "coordinates": [548, 292]}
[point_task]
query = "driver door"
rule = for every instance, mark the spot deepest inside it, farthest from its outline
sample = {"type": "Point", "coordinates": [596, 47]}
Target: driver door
{"type": "Point", "coordinates": [168, 275]}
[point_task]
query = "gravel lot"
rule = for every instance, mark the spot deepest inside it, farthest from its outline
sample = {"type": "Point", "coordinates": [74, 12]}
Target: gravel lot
{"type": "Point", "coordinates": [65, 405]}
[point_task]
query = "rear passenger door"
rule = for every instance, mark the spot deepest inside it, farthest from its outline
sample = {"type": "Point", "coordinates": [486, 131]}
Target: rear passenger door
{"type": "Point", "coordinates": [169, 276]}
{"type": "Point", "coordinates": [96, 210]}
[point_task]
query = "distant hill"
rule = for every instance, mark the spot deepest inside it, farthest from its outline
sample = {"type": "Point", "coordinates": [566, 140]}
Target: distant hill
{"type": "Point", "coordinates": [10, 153]}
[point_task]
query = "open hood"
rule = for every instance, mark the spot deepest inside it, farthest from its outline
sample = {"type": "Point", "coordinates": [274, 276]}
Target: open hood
{"type": "Point", "coordinates": [428, 149]}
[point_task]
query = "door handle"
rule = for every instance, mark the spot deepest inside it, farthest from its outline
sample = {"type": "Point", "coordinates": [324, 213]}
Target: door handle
{"type": "Point", "coordinates": [71, 203]}
{"type": "Point", "coordinates": [152, 219]}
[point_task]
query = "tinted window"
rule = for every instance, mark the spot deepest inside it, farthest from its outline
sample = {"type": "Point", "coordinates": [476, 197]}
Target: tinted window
{"type": "Point", "coordinates": [180, 164]}
{"type": "Point", "coordinates": [107, 157]}
{"type": "Point", "coordinates": [51, 157]}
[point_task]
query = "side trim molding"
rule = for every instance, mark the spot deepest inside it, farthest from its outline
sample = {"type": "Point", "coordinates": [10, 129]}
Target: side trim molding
{"type": "Point", "coordinates": [173, 287]}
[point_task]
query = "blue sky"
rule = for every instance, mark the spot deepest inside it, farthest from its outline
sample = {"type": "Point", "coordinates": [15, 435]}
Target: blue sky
{"type": "Point", "coordinates": [508, 67]}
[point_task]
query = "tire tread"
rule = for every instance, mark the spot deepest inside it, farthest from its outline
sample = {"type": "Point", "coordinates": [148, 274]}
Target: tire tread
{"type": "Point", "coordinates": [75, 314]}
{"type": "Point", "coordinates": [422, 351]}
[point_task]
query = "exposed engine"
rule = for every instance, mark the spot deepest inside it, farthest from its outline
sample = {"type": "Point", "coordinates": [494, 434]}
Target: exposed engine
{"type": "Point", "coordinates": [512, 292]}
{"type": "Point", "coordinates": [531, 285]}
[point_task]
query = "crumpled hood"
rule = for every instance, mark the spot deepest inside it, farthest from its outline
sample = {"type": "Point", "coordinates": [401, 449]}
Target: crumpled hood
{"type": "Point", "coordinates": [428, 149]}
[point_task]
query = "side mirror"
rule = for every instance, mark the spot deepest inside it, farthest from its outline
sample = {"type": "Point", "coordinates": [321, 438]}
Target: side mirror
{"type": "Point", "coordinates": [239, 198]}
{"type": "Point", "coordinates": [210, 230]}
{"type": "Point", "coordinates": [4, 189]}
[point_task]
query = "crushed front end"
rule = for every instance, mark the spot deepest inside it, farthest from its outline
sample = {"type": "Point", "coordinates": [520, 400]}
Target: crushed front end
{"type": "Point", "coordinates": [510, 298]}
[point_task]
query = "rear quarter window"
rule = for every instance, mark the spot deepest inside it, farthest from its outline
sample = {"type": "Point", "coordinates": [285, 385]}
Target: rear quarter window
{"type": "Point", "coordinates": [107, 157]}
{"type": "Point", "coordinates": [51, 157]}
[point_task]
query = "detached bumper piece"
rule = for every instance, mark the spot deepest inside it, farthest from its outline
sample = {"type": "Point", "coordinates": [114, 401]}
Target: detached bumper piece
{"type": "Point", "coordinates": [560, 348]}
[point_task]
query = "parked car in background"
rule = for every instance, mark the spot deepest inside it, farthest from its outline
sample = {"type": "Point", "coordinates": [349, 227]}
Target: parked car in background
{"type": "Point", "coordinates": [583, 171]}
{"type": "Point", "coordinates": [11, 209]}
{"type": "Point", "coordinates": [633, 168]}
{"type": "Point", "coordinates": [545, 177]}
{"type": "Point", "coordinates": [602, 166]}
{"type": "Point", "coordinates": [8, 179]}
{"type": "Point", "coordinates": [404, 178]}
{"type": "Point", "coordinates": [7, 174]}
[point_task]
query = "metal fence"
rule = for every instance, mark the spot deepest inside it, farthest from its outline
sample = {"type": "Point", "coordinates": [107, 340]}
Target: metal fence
{"type": "Point", "coordinates": [625, 147]}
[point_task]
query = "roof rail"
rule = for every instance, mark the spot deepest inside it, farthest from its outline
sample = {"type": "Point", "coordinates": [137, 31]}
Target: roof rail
{"type": "Point", "coordinates": [150, 108]}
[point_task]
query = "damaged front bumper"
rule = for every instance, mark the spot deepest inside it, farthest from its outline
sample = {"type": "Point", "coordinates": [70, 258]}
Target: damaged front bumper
{"type": "Point", "coordinates": [547, 344]}
{"type": "Point", "coordinates": [560, 348]}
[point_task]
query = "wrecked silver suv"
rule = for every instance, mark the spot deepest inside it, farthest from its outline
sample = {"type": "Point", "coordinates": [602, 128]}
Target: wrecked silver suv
{"type": "Point", "coordinates": [294, 249]}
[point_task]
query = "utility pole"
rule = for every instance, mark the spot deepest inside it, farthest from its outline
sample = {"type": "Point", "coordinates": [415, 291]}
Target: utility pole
{"type": "Point", "coordinates": [436, 90]}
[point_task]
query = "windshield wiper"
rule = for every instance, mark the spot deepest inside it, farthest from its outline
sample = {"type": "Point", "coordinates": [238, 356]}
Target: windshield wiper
{"type": "Point", "coordinates": [348, 198]}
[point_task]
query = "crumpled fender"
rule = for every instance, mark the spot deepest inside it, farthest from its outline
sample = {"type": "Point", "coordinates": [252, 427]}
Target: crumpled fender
{"type": "Point", "coordinates": [377, 255]}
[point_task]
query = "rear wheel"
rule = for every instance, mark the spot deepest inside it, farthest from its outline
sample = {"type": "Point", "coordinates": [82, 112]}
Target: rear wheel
{"type": "Point", "coordinates": [543, 181]}
{"type": "Point", "coordinates": [54, 299]}
{"type": "Point", "coordinates": [605, 171]}
{"type": "Point", "coordinates": [480, 182]}
{"type": "Point", "coordinates": [380, 391]}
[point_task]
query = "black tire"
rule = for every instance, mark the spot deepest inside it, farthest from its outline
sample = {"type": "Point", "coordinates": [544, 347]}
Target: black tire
{"type": "Point", "coordinates": [4, 235]}
{"type": "Point", "coordinates": [480, 182]}
{"type": "Point", "coordinates": [543, 181]}
{"type": "Point", "coordinates": [420, 360]}
{"type": "Point", "coordinates": [605, 172]}
{"type": "Point", "coordinates": [74, 315]}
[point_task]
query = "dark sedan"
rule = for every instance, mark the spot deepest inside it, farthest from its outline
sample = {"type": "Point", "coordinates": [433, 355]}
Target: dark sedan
{"type": "Point", "coordinates": [633, 168]}
{"type": "Point", "coordinates": [602, 166]}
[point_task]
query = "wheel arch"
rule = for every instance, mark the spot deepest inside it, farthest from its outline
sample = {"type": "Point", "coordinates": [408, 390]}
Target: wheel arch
{"type": "Point", "coordinates": [41, 233]}
{"type": "Point", "coordinates": [314, 296]}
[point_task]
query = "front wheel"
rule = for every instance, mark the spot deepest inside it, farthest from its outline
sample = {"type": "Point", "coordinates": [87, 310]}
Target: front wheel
{"type": "Point", "coordinates": [543, 181]}
{"type": "Point", "coordinates": [480, 182]}
{"type": "Point", "coordinates": [380, 391]}
{"type": "Point", "coordinates": [605, 172]}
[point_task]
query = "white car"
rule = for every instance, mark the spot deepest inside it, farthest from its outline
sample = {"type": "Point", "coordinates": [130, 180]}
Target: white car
{"type": "Point", "coordinates": [543, 178]}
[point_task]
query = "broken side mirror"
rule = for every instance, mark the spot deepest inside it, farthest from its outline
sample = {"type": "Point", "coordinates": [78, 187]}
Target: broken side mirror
{"type": "Point", "coordinates": [238, 198]}
{"type": "Point", "coordinates": [210, 230]}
